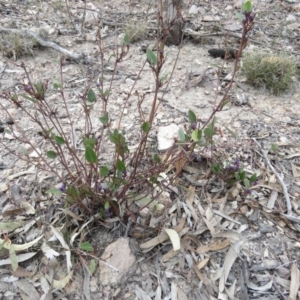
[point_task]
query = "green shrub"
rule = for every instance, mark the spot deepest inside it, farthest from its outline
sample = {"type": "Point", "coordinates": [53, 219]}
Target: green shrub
{"type": "Point", "coordinates": [273, 72]}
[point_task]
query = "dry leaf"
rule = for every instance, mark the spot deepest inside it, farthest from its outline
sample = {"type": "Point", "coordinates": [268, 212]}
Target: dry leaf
{"type": "Point", "coordinates": [295, 281]}
{"type": "Point", "coordinates": [203, 263]}
{"type": "Point", "coordinates": [230, 258]}
{"type": "Point", "coordinates": [174, 237]}
{"type": "Point", "coordinates": [215, 246]}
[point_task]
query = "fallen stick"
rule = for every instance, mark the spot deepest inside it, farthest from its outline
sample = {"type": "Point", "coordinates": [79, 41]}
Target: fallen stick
{"type": "Point", "coordinates": [27, 33]}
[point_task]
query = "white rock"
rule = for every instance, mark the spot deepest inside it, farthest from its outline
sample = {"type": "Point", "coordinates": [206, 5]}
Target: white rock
{"type": "Point", "coordinates": [129, 81]}
{"type": "Point", "coordinates": [193, 10]}
{"type": "Point", "coordinates": [166, 135]}
{"type": "Point", "coordinates": [291, 18]}
{"type": "Point", "coordinates": [118, 261]}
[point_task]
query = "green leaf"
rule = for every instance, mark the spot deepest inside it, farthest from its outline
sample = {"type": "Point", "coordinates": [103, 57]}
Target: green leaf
{"type": "Point", "coordinates": [54, 191]}
{"type": "Point", "coordinates": [59, 140]}
{"type": "Point", "coordinates": [209, 132]}
{"type": "Point", "coordinates": [196, 135]}
{"type": "Point", "coordinates": [192, 116]}
{"type": "Point", "coordinates": [126, 40]}
{"type": "Point", "coordinates": [73, 194]}
{"type": "Point", "coordinates": [146, 127]}
{"type": "Point", "coordinates": [86, 246]}
{"type": "Point", "coordinates": [29, 98]}
{"type": "Point", "coordinates": [10, 226]}
{"type": "Point", "coordinates": [247, 6]}
{"type": "Point", "coordinates": [104, 171]}
{"type": "Point", "coordinates": [253, 178]}
{"type": "Point", "coordinates": [13, 257]}
{"type": "Point", "coordinates": [225, 103]}
{"type": "Point", "coordinates": [106, 93]}
{"type": "Point", "coordinates": [114, 137]}
{"type": "Point", "coordinates": [153, 179]}
{"type": "Point", "coordinates": [242, 174]}
{"type": "Point", "coordinates": [23, 150]}
{"type": "Point", "coordinates": [156, 158]}
{"type": "Point", "coordinates": [181, 135]}
{"type": "Point", "coordinates": [120, 165]}
{"type": "Point", "coordinates": [51, 154]}
{"type": "Point", "coordinates": [92, 266]}
{"type": "Point", "coordinates": [246, 183]}
{"type": "Point", "coordinates": [2, 244]}
{"type": "Point", "coordinates": [274, 148]}
{"type": "Point", "coordinates": [104, 119]}
{"type": "Point", "coordinates": [231, 181]}
{"type": "Point", "coordinates": [91, 96]}
{"type": "Point", "coordinates": [151, 57]}
{"type": "Point", "coordinates": [239, 16]}
{"type": "Point", "coordinates": [106, 205]}
{"type": "Point", "coordinates": [164, 78]}
{"type": "Point", "coordinates": [216, 168]}
{"type": "Point", "coordinates": [90, 155]}
{"type": "Point", "coordinates": [57, 84]}
{"type": "Point", "coordinates": [89, 142]}
{"type": "Point", "coordinates": [39, 88]}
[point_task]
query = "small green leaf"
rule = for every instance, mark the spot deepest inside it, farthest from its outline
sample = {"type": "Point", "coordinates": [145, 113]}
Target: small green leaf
{"type": "Point", "coordinates": [164, 78]}
{"type": "Point", "coordinates": [23, 150]}
{"type": "Point", "coordinates": [59, 140]}
{"type": "Point", "coordinates": [126, 40]}
{"type": "Point", "coordinates": [224, 104]}
{"type": "Point", "coordinates": [120, 165]}
{"type": "Point", "coordinates": [89, 142]}
{"type": "Point", "coordinates": [39, 87]}
{"type": "Point", "coordinates": [196, 135]}
{"type": "Point", "coordinates": [274, 148]}
{"type": "Point", "coordinates": [247, 6]}
{"type": "Point", "coordinates": [231, 181]}
{"type": "Point", "coordinates": [10, 226]}
{"type": "Point", "coordinates": [253, 178]}
{"type": "Point", "coordinates": [209, 132]}
{"type": "Point", "coordinates": [54, 191]}
{"type": "Point", "coordinates": [73, 193]}
{"type": "Point", "coordinates": [29, 98]}
{"type": "Point", "coordinates": [181, 134]}
{"type": "Point", "coordinates": [246, 183]}
{"type": "Point", "coordinates": [242, 174]}
{"type": "Point", "coordinates": [86, 246]}
{"type": "Point", "coordinates": [51, 154]}
{"type": "Point", "coordinates": [106, 205]}
{"type": "Point", "coordinates": [216, 168]}
{"type": "Point", "coordinates": [92, 266]}
{"type": "Point", "coordinates": [153, 179]}
{"type": "Point", "coordinates": [57, 84]}
{"type": "Point", "coordinates": [90, 155]}
{"type": "Point", "coordinates": [2, 244]}
{"type": "Point", "coordinates": [104, 171]}
{"type": "Point", "coordinates": [146, 127]}
{"type": "Point", "coordinates": [104, 119]}
{"type": "Point", "coordinates": [91, 96]}
{"type": "Point", "coordinates": [106, 93]}
{"type": "Point", "coordinates": [13, 257]}
{"type": "Point", "coordinates": [151, 57]}
{"type": "Point", "coordinates": [192, 116]}
{"type": "Point", "coordinates": [156, 158]}
{"type": "Point", "coordinates": [239, 16]}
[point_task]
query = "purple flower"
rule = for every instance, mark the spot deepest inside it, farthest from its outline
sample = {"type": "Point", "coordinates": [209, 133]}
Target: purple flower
{"type": "Point", "coordinates": [27, 88]}
{"type": "Point", "coordinates": [63, 188]}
